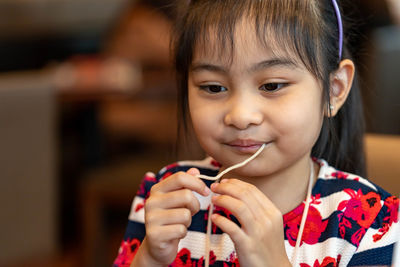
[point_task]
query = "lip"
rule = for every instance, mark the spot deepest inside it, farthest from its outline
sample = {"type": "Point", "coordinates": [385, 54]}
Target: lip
{"type": "Point", "coordinates": [245, 145]}
{"type": "Point", "coordinates": [245, 142]}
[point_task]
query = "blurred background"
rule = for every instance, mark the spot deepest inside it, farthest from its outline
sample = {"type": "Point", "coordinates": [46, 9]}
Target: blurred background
{"type": "Point", "coordinates": [87, 106]}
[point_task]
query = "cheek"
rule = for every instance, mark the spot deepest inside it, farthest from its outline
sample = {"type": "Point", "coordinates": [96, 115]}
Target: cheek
{"type": "Point", "coordinates": [200, 125]}
{"type": "Point", "coordinates": [204, 118]}
{"type": "Point", "coordinates": [300, 122]}
{"type": "Point", "coordinates": [205, 129]}
{"type": "Point", "coordinates": [196, 112]}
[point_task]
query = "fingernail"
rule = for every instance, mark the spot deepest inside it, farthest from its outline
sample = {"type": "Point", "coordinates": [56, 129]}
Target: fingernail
{"type": "Point", "coordinates": [193, 171]}
{"type": "Point", "coordinates": [213, 186]}
{"type": "Point", "coordinates": [224, 181]}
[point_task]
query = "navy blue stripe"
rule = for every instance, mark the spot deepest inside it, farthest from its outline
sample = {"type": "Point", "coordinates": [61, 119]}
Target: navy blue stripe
{"type": "Point", "coordinates": [331, 186]}
{"type": "Point", "coordinates": [332, 229]}
{"type": "Point", "coordinates": [377, 256]}
{"type": "Point", "coordinates": [221, 264]}
{"type": "Point", "coordinates": [199, 222]}
{"type": "Point", "coordinates": [204, 171]}
{"type": "Point", "coordinates": [135, 230]}
{"type": "Point", "coordinates": [215, 264]}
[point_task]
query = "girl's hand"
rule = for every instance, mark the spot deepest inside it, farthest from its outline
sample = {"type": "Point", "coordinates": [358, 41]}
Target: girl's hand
{"type": "Point", "coordinates": [168, 214]}
{"type": "Point", "coordinates": [260, 240]}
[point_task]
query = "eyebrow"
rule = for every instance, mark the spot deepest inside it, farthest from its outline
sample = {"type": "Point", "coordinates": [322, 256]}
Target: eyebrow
{"type": "Point", "coordinates": [262, 65]}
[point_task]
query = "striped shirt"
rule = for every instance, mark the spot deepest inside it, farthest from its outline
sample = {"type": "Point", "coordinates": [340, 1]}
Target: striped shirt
{"type": "Point", "coordinates": [350, 222]}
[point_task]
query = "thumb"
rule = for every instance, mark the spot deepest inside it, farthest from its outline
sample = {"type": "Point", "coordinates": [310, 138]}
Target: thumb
{"type": "Point", "coordinates": [193, 171]}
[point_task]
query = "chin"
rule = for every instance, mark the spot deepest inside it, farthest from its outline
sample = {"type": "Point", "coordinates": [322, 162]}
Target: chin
{"type": "Point", "coordinates": [249, 170]}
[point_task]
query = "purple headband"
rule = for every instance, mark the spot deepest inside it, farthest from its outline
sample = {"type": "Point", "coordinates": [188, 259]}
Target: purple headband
{"type": "Point", "coordinates": [340, 25]}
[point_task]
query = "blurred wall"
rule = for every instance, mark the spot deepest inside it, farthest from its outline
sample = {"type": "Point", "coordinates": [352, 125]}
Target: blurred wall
{"type": "Point", "coordinates": [384, 106]}
{"type": "Point", "coordinates": [27, 167]}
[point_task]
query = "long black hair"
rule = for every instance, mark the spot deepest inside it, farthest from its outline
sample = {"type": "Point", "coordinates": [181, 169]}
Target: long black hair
{"type": "Point", "coordinates": [307, 29]}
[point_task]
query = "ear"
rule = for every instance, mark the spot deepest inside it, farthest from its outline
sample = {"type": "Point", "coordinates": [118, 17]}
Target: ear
{"type": "Point", "coordinates": [340, 85]}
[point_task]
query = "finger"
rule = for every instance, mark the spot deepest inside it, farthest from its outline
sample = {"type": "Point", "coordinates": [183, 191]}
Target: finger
{"type": "Point", "coordinates": [261, 206]}
{"type": "Point", "coordinates": [193, 171]}
{"type": "Point", "coordinates": [164, 233]}
{"type": "Point", "coordinates": [182, 180]}
{"type": "Point", "coordinates": [169, 217]}
{"type": "Point", "coordinates": [262, 199]}
{"type": "Point", "coordinates": [183, 198]}
{"type": "Point", "coordinates": [244, 192]}
{"type": "Point", "coordinates": [232, 229]}
{"type": "Point", "coordinates": [238, 208]}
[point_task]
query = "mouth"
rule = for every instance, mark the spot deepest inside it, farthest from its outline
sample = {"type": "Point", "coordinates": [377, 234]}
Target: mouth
{"type": "Point", "coordinates": [245, 146]}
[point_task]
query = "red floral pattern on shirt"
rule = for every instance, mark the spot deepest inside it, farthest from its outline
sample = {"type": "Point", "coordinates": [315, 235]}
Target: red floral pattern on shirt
{"type": "Point", "coordinates": [171, 166]}
{"type": "Point", "coordinates": [212, 259]}
{"type": "Point", "coordinates": [340, 175]}
{"type": "Point", "coordinates": [166, 175]}
{"type": "Point", "coordinates": [221, 211]}
{"type": "Point", "coordinates": [313, 228]}
{"type": "Point", "coordinates": [148, 178]}
{"type": "Point", "coordinates": [183, 259]}
{"type": "Point", "coordinates": [326, 262]}
{"type": "Point", "coordinates": [392, 204]}
{"type": "Point", "coordinates": [361, 208]}
{"type": "Point", "coordinates": [233, 259]}
{"type": "Point", "coordinates": [215, 163]}
{"type": "Point", "coordinates": [127, 252]}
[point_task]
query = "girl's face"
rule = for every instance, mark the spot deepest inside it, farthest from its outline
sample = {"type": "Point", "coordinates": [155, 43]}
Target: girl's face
{"type": "Point", "coordinates": [256, 97]}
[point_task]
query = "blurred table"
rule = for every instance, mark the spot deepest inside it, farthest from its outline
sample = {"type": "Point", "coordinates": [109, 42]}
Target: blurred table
{"type": "Point", "coordinates": [108, 110]}
{"type": "Point", "coordinates": [110, 187]}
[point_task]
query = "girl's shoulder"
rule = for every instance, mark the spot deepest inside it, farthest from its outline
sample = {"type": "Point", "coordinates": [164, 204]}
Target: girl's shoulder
{"type": "Point", "coordinates": [355, 204]}
{"type": "Point", "coordinates": [359, 212]}
{"type": "Point", "coordinates": [332, 181]}
{"type": "Point", "coordinates": [350, 215]}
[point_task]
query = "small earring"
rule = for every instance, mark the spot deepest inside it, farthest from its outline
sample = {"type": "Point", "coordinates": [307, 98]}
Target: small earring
{"type": "Point", "coordinates": [330, 109]}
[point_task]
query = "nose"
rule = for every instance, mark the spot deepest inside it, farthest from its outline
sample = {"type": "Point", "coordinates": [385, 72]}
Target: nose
{"type": "Point", "coordinates": [243, 111]}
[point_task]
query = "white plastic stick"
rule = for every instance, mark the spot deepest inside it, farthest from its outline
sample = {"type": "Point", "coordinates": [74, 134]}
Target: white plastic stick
{"type": "Point", "coordinates": [304, 216]}
{"type": "Point", "coordinates": [240, 164]}
{"type": "Point", "coordinates": [210, 211]}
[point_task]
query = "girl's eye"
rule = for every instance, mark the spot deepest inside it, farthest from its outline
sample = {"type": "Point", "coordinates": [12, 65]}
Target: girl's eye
{"type": "Point", "coordinates": [213, 89]}
{"type": "Point", "coordinates": [271, 87]}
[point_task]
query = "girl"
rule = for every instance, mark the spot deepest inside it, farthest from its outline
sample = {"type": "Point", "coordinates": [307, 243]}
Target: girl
{"type": "Point", "coordinates": [273, 72]}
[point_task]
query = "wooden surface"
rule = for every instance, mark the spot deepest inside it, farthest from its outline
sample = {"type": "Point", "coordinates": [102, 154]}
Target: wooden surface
{"type": "Point", "coordinates": [383, 161]}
